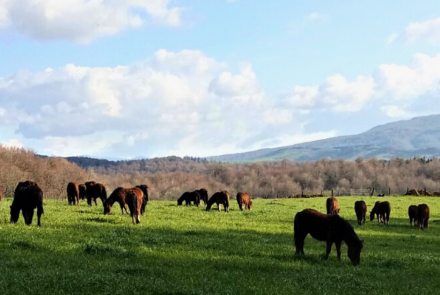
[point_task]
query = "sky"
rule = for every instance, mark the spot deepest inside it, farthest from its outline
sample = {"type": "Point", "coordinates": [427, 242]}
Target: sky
{"type": "Point", "coordinates": [124, 79]}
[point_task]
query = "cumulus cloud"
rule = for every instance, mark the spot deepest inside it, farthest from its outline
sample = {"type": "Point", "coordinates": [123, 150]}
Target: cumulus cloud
{"type": "Point", "coordinates": [419, 31]}
{"type": "Point", "coordinates": [183, 103]}
{"type": "Point", "coordinates": [13, 143]}
{"type": "Point", "coordinates": [394, 111]}
{"type": "Point", "coordinates": [387, 86]}
{"type": "Point", "coordinates": [84, 20]}
{"type": "Point", "coordinates": [187, 103]}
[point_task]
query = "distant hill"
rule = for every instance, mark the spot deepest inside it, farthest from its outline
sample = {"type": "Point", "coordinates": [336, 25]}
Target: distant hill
{"type": "Point", "coordinates": [419, 136]}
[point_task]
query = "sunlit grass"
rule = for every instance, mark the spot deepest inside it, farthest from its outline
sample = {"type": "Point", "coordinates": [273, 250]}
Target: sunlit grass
{"type": "Point", "coordinates": [185, 250]}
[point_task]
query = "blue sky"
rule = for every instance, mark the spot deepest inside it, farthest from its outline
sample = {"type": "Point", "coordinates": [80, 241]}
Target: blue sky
{"type": "Point", "coordinates": [145, 78]}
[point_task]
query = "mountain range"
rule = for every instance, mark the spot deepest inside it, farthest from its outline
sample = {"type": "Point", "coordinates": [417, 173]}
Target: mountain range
{"type": "Point", "coordinates": [419, 137]}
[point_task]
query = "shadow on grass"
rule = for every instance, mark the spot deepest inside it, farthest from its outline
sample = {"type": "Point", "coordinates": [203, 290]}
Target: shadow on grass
{"type": "Point", "coordinates": [100, 220]}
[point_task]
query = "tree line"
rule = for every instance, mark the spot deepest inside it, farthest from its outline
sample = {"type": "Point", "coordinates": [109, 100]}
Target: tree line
{"type": "Point", "coordinates": [169, 177]}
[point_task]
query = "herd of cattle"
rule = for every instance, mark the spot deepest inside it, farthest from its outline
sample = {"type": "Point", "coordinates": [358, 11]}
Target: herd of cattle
{"type": "Point", "coordinates": [330, 227]}
{"type": "Point", "coordinates": [333, 229]}
{"type": "Point", "coordinates": [28, 196]}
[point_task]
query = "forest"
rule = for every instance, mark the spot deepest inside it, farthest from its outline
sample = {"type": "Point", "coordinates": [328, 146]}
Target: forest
{"type": "Point", "coordinates": [169, 177]}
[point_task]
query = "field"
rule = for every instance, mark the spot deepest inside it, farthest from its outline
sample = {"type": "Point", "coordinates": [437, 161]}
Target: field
{"type": "Point", "coordinates": [185, 250]}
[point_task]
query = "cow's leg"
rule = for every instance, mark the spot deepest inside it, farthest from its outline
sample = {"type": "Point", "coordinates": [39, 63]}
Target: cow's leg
{"type": "Point", "coordinates": [328, 249]}
{"type": "Point", "coordinates": [338, 249]}
{"type": "Point", "coordinates": [299, 242]}
{"type": "Point", "coordinates": [40, 212]}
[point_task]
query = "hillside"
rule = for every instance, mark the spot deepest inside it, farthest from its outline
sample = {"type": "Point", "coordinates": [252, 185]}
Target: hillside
{"type": "Point", "coordinates": [419, 136]}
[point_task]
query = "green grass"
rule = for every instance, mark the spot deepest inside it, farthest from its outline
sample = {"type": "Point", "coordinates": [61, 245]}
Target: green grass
{"type": "Point", "coordinates": [185, 250]}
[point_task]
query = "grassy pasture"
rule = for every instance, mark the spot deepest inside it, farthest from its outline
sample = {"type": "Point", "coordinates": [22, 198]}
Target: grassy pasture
{"type": "Point", "coordinates": [185, 250]}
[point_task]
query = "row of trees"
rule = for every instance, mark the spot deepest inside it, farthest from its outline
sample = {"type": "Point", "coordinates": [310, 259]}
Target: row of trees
{"type": "Point", "coordinates": [169, 177]}
{"type": "Point", "coordinates": [51, 174]}
{"type": "Point", "coordinates": [282, 179]}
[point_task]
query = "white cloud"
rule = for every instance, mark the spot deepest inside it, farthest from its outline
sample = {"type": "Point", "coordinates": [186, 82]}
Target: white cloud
{"type": "Point", "coordinates": [277, 116]}
{"type": "Point", "coordinates": [242, 87]}
{"type": "Point", "coordinates": [403, 82]}
{"type": "Point", "coordinates": [84, 20]}
{"type": "Point", "coordinates": [419, 31]}
{"type": "Point", "coordinates": [183, 103]}
{"type": "Point", "coordinates": [335, 93]}
{"type": "Point", "coordinates": [13, 143]}
{"type": "Point", "coordinates": [390, 84]}
{"type": "Point", "coordinates": [303, 96]}
{"type": "Point", "coordinates": [394, 111]}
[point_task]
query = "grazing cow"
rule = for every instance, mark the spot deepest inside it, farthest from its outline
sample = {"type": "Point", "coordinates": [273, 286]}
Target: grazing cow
{"type": "Point", "coordinates": [144, 189]}
{"type": "Point", "coordinates": [203, 195]}
{"type": "Point", "coordinates": [332, 206]}
{"type": "Point", "coordinates": [327, 228]}
{"type": "Point", "coordinates": [244, 200]}
{"type": "Point", "coordinates": [422, 216]}
{"type": "Point", "coordinates": [219, 198]}
{"type": "Point", "coordinates": [382, 211]}
{"type": "Point", "coordinates": [27, 197]}
{"type": "Point", "coordinates": [361, 210]}
{"type": "Point", "coordinates": [73, 193]}
{"type": "Point", "coordinates": [134, 201]}
{"type": "Point", "coordinates": [94, 191]}
{"type": "Point", "coordinates": [381, 195]}
{"type": "Point", "coordinates": [412, 214]}
{"type": "Point", "coordinates": [189, 197]}
{"type": "Point", "coordinates": [82, 191]}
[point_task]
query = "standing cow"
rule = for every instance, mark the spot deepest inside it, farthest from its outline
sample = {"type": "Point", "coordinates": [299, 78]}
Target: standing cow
{"type": "Point", "coordinates": [422, 216]}
{"type": "Point", "coordinates": [27, 197]}
{"type": "Point", "coordinates": [332, 206]}
{"type": "Point", "coordinates": [244, 201]}
{"type": "Point", "coordinates": [94, 191]}
{"type": "Point", "coordinates": [219, 198]}
{"type": "Point", "coordinates": [382, 210]}
{"type": "Point", "coordinates": [73, 193]}
{"type": "Point", "coordinates": [361, 211]}
{"type": "Point", "coordinates": [144, 189]}
{"type": "Point", "coordinates": [412, 214]}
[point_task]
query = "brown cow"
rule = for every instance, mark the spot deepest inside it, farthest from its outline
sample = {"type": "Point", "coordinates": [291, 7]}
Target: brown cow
{"type": "Point", "coordinates": [328, 228]}
{"type": "Point", "coordinates": [203, 195]}
{"type": "Point", "coordinates": [412, 214]}
{"type": "Point", "coordinates": [332, 206]}
{"type": "Point", "coordinates": [94, 191]}
{"type": "Point", "coordinates": [422, 216]}
{"type": "Point", "coordinates": [120, 195]}
{"type": "Point", "coordinates": [134, 201]}
{"type": "Point", "coordinates": [27, 197]}
{"type": "Point", "coordinates": [382, 210]}
{"type": "Point", "coordinates": [219, 198]}
{"type": "Point", "coordinates": [244, 200]}
{"type": "Point", "coordinates": [361, 210]}
{"type": "Point", "coordinates": [189, 197]}
{"type": "Point", "coordinates": [82, 191]}
{"type": "Point", "coordinates": [144, 189]}
{"type": "Point", "coordinates": [73, 193]}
